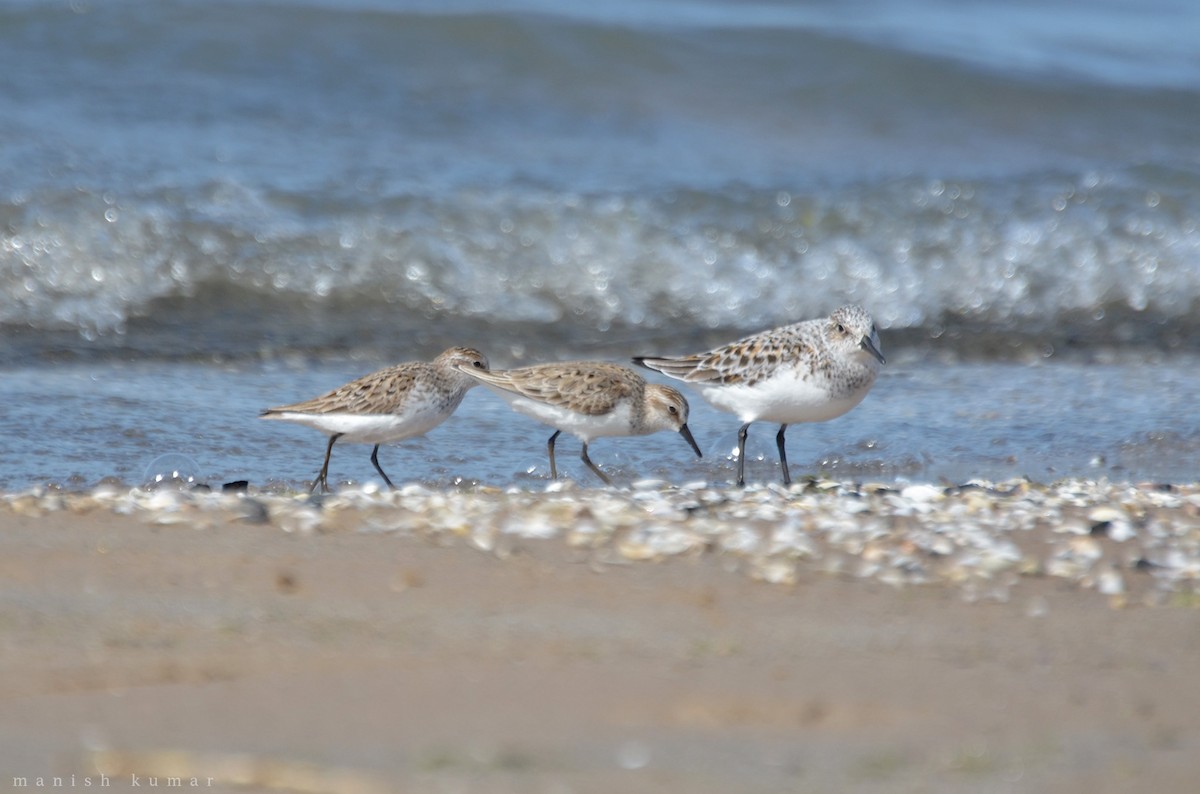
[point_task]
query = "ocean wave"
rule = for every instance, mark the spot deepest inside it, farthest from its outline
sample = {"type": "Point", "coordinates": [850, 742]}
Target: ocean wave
{"type": "Point", "coordinates": [1076, 40]}
{"type": "Point", "coordinates": [1011, 256]}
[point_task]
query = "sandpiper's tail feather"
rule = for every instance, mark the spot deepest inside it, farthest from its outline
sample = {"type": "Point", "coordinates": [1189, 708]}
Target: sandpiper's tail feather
{"type": "Point", "coordinates": [689, 369]}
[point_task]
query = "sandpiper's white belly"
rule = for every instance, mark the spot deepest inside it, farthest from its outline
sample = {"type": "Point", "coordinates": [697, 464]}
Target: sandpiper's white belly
{"type": "Point", "coordinates": [373, 428]}
{"type": "Point", "coordinates": [785, 398]}
{"type": "Point", "coordinates": [617, 422]}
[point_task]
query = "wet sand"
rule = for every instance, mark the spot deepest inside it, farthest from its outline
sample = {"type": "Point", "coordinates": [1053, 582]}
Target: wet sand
{"type": "Point", "coordinates": [347, 661]}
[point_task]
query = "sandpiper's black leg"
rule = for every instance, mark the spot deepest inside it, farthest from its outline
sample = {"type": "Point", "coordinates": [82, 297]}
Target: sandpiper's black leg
{"type": "Point", "coordinates": [322, 478]}
{"type": "Point", "coordinates": [550, 446]}
{"type": "Point", "coordinates": [378, 468]}
{"type": "Point", "coordinates": [593, 466]}
{"type": "Point", "coordinates": [742, 454]}
{"type": "Point", "coordinates": [787, 477]}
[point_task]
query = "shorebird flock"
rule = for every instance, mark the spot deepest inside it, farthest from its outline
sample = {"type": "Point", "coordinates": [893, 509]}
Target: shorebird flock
{"type": "Point", "coordinates": [811, 371]}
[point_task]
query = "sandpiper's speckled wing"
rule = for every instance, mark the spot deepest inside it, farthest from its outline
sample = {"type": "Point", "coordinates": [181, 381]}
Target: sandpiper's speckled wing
{"type": "Point", "coordinates": [590, 388]}
{"type": "Point", "coordinates": [381, 392]}
{"type": "Point", "coordinates": [745, 361]}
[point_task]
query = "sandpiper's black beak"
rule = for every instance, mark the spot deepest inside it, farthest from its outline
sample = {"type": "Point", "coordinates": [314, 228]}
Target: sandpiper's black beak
{"type": "Point", "coordinates": [683, 431]}
{"type": "Point", "coordinates": [869, 346]}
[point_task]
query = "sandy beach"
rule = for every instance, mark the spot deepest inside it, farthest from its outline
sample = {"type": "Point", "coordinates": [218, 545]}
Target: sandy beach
{"type": "Point", "coordinates": [206, 640]}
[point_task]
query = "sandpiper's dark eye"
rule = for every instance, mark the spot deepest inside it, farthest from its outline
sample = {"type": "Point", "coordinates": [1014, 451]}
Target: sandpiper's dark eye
{"type": "Point", "coordinates": [841, 328]}
{"type": "Point", "coordinates": [478, 364]}
{"type": "Point", "coordinates": [672, 409]}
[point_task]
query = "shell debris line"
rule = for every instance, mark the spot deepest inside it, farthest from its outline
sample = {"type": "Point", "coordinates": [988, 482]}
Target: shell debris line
{"type": "Point", "coordinates": [1129, 543]}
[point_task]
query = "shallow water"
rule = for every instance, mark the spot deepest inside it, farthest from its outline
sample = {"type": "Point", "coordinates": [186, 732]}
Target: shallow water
{"type": "Point", "coordinates": [76, 424]}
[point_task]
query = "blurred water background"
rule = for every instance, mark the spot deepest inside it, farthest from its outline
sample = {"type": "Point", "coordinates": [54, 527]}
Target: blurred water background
{"type": "Point", "coordinates": [210, 207]}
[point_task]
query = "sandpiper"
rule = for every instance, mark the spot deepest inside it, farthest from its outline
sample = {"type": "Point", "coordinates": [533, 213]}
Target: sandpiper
{"type": "Point", "coordinates": [589, 400]}
{"type": "Point", "coordinates": [811, 371]}
{"type": "Point", "coordinates": [392, 404]}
